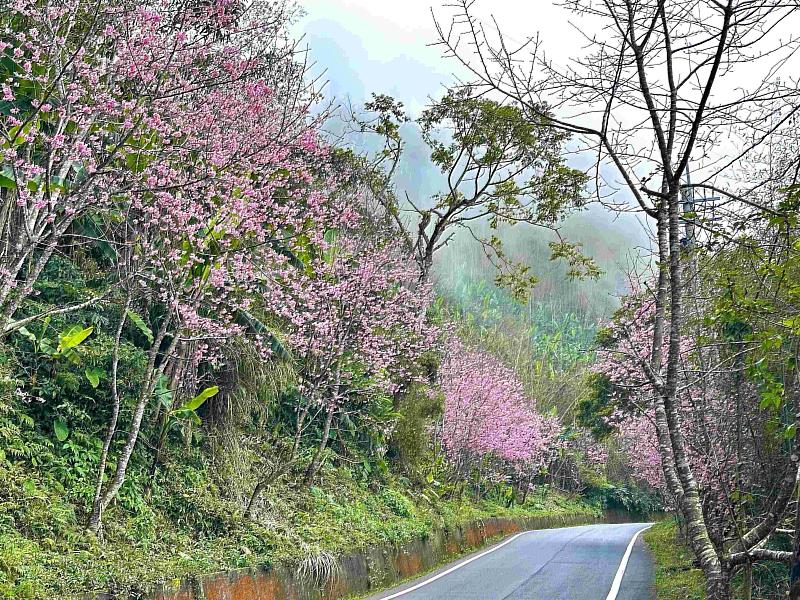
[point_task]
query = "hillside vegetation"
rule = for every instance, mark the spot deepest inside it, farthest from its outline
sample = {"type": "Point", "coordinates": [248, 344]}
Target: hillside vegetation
{"type": "Point", "coordinates": [235, 331]}
{"type": "Point", "coordinates": [214, 353]}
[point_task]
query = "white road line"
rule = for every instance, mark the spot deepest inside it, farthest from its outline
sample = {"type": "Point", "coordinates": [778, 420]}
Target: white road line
{"type": "Point", "coordinates": [451, 569]}
{"type": "Point", "coordinates": [612, 594]}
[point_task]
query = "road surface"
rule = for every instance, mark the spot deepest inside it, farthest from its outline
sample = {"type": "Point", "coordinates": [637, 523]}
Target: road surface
{"type": "Point", "coordinates": [591, 562]}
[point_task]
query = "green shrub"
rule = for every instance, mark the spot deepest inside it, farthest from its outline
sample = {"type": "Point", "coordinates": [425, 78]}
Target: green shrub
{"type": "Point", "coordinates": [20, 569]}
{"type": "Point", "coordinates": [410, 441]}
{"type": "Point", "coordinates": [630, 497]}
{"type": "Point", "coordinates": [398, 503]}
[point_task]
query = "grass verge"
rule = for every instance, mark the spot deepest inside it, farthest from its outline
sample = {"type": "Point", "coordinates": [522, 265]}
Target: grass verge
{"type": "Point", "coordinates": [676, 578]}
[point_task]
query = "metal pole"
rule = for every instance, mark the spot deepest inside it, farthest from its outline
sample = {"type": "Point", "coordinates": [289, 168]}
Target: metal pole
{"type": "Point", "coordinates": [689, 212]}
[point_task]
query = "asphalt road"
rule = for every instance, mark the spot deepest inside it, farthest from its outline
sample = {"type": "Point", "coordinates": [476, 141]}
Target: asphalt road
{"type": "Point", "coordinates": [573, 563]}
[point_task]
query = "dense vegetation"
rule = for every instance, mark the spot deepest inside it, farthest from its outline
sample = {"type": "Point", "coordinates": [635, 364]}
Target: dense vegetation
{"type": "Point", "coordinates": [229, 339]}
{"type": "Point", "coordinates": [214, 353]}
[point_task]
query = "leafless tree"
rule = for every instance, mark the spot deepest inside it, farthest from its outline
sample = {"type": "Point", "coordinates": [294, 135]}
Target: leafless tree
{"type": "Point", "coordinates": [661, 84]}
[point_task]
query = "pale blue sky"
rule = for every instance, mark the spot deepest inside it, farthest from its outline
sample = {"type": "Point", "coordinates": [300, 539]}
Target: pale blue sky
{"type": "Point", "coordinates": [365, 51]}
{"type": "Point", "coordinates": [384, 46]}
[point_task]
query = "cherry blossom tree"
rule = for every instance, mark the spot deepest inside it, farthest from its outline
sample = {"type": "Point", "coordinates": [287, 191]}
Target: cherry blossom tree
{"type": "Point", "coordinates": [228, 202]}
{"type": "Point", "coordinates": [182, 132]}
{"type": "Point", "coordinates": [488, 415]}
{"type": "Point", "coordinates": [356, 324]}
{"type": "Point", "coordinates": [92, 94]}
{"type": "Point", "coordinates": [625, 346]}
{"type": "Point", "coordinates": [731, 440]}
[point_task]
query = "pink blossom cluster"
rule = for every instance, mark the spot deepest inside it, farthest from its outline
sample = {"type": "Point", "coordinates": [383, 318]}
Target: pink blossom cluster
{"type": "Point", "coordinates": [705, 408]}
{"type": "Point", "coordinates": [356, 318]}
{"type": "Point", "coordinates": [188, 123]}
{"type": "Point", "coordinates": [188, 127]}
{"type": "Point", "coordinates": [487, 412]}
{"type": "Point", "coordinates": [232, 200]}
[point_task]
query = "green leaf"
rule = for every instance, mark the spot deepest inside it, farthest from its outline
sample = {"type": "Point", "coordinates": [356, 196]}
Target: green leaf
{"type": "Point", "coordinates": [284, 250]}
{"type": "Point", "coordinates": [137, 162]}
{"type": "Point", "coordinates": [92, 226]}
{"type": "Point", "coordinates": [188, 415]}
{"type": "Point", "coordinates": [46, 347]}
{"type": "Point", "coordinates": [162, 391]}
{"type": "Point", "coordinates": [29, 486]}
{"type": "Point", "coordinates": [61, 429]}
{"type": "Point", "coordinates": [793, 323]}
{"type": "Point", "coordinates": [71, 355]}
{"type": "Point", "coordinates": [140, 325]}
{"type": "Point", "coordinates": [198, 400]}
{"type": "Point", "coordinates": [246, 319]}
{"type": "Point", "coordinates": [73, 337]}
{"type": "Point", "coordinates": [93, 375]}
{"type": "Point", "coordinates": [24, 331]}
{"type": "Point", "coordinates": [7, 182]}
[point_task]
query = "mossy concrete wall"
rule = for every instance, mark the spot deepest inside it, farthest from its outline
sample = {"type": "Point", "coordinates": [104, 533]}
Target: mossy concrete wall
{"type": "Point", "coordinates": [360, 572]}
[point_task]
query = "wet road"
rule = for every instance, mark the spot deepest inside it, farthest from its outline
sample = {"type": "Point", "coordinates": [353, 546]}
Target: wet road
{"type": "Point", "coordinates": [591, 562]}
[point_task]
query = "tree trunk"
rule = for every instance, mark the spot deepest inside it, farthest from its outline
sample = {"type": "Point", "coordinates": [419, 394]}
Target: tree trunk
{"type": "Point", "coordinates": [251, 505]}
{"type": "Point", "coordinates": [676, 463]}
{"type": "Point", "coordinates": [298, 432]}
{"type": "Point", "coordinates": [10, 303]}
{"type": "Point", "coordinates": [717, 579]}
{"type": "Point", "coordinates": [112, 424]}
{"type": "Point", "coordinates": [101, 503]}
{"type": "Point", "coordinates": [163, 414]}
{"type": "Point", "coordinates": [747, 583]}
{"type": "Point", "coordinates": [316, 462]}
{"type": "Point", "coordinates": [718, 585]}
{"type": "Point", "coordinates": [162, 436]}
{"type": "Point", "coordinates": [276, 473]}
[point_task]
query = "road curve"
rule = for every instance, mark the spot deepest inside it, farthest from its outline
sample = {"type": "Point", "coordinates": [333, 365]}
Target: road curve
{"type": "Point", "coordinates": [572, 563]}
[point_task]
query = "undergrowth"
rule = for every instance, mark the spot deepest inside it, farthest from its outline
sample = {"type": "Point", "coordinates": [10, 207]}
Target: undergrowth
{"type": "Point", "coordinates": [190, 527]}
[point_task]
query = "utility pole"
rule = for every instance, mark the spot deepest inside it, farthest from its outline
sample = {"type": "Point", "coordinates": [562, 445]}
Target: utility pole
{"type": "Point", "coordinates": [690, 209]}
{"type": "Point", "coordinates": [689, 241]}
{"type": "Point", "coordinates": [689, 215]}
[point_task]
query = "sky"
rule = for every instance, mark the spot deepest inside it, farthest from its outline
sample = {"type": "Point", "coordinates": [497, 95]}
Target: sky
{"type": "Point", "coordinates": [383, 46]}
{"type": "Point", "coordinates": [361, 47]}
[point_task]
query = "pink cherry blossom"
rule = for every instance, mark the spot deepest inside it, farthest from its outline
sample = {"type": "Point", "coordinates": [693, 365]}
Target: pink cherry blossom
{"type": "Point", "coordinates": [487, 412]}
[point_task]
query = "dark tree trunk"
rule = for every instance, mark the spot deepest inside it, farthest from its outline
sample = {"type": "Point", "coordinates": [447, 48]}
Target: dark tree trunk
{"type": "Point", "coordinates": [794, 575]}
{"type": "Point", "coordinates": [316, 462]}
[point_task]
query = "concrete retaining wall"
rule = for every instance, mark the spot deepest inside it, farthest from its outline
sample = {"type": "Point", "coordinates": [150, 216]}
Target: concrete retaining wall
{"type": "Point", "coordinates": [360, 572]}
